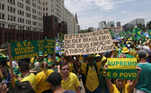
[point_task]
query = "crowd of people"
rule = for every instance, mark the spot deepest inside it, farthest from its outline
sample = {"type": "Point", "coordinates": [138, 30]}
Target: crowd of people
{"type": "Point", "coordinates": [63, 74]}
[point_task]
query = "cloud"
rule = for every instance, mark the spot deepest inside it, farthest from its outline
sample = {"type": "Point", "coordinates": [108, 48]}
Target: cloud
{"type": "Point", "coordinates": [131, 16]}
{"type": "Point", "coordinates": [82, 5]}
{"type": "Point", "coordinates": [77, 5]}
{"type": "Point", "coordinates": [91, 12]}
{"type": "Point", "coordinates": [123, 12]}
{"type": "Point", "coordinates": [105, 4]}
{"type": "Point", "coordinates": [86, 22]}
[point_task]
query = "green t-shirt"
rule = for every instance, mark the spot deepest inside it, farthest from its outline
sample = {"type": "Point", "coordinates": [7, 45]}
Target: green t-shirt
{"type": "Point", "coordinates": [144, 82]}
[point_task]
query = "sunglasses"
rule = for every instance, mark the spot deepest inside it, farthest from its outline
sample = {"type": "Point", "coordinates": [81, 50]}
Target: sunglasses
{"type": "Point", "coordinates": [65, 69]}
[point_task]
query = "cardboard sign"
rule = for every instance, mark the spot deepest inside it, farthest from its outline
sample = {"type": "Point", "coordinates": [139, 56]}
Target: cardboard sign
{"type": "Point", "coordinates": [122, 68]}
{"type": "Point", "coordinates": [28, 49]}
{"type": "Point", "coordinates": [88, 43]}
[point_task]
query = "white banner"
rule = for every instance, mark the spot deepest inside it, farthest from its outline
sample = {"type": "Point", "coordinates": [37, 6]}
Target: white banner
{"type": "Point", "coordinates": [88, 43]}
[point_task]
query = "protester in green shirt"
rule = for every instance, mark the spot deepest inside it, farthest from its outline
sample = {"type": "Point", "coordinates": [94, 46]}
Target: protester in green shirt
{"type": "Point", "coordinates": [144, 81]}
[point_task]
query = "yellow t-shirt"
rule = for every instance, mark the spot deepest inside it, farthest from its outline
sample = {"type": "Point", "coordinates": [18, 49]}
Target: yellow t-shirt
{"type": "Point", "coordinates": [115, 89]}
{"type": "Point", "coordinates": [32, 80]}
{"type": "Point", "coordinates": [41, 83]}
{"type": "Point", "coordinates": [92, 79]}
{"type": "Point", "coordinates": [72, 83]}
{"type": "Point", "coordinates": [84, 67]}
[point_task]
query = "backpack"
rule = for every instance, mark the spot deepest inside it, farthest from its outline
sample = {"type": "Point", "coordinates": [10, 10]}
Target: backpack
{"type": "Point", "coordinates": [87, 68]}
{"type": "Point", "coordinates": [22, 87]}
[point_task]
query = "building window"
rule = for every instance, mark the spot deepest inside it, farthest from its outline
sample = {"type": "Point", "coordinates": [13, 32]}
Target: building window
{"type": "Point", "coordinates": [11, 2]}
{"type": "Point", "coordinates": [2, 25]}
{"type": "Point", "coordinates": [28, 22]}
{"type": "Point", "coordinates": [19, 4]}
{"type": "Point", "coordinates": [28, 1]}
{"type": "Point", "coordinates": [2, 6]}
{"type": "Point", "coordinates": [11, 9]}
{"type": "Point", "coordinates": [39, 2]}
{"type": "Point", "coordinates": [34, 17]}
{"type": "Point", "coordinates": [28, 8]}
{"type": "Point", "coordinates": [11, 18]}
{"type": "Point", "coordinates": [21, 20]}
{"type": "Point", "coordinates": [2, 16]}
{"type": "Point", "coordinates": [34, 5]}
{"type": "Point", "coordinates": [20, 12]}
{"type": "Point", "coordinates": [34, 11]}
{"type": "Point", "coordinates": [34, 23]}
{"type": "Point", "coordinates": [28, 15]}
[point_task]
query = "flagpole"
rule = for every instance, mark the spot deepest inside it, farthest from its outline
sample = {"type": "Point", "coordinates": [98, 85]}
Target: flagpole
{"type": "Point", "coordinates": [11, 67]}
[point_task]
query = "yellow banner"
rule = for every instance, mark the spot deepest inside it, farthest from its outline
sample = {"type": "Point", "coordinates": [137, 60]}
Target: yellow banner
{"type": "Point", "coordinates": [121, 63]}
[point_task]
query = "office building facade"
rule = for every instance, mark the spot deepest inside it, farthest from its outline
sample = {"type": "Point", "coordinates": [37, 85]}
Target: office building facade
{"type": "Point", "coordinates": [57, 8]}
{"type": "Point", "coordinates": [137, 21]}
{"type": "Point", "coordinates": [28, 14]}
{"type": "Point", "coordinates": [21, 14]}
{"type": "Point", "coordinates": [54, 7]}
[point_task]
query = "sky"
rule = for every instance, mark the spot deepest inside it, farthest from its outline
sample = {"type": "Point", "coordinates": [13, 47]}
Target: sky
{"type": "Point", "coordinates": [91, 12]}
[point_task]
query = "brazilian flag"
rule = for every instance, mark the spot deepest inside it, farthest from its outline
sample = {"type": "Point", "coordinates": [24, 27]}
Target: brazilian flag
{"type": "Point", "coordinates": [149, 33]}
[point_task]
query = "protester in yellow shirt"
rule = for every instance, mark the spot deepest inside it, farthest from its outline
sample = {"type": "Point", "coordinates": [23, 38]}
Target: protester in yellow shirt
{"type": "Point", "coordinates": [70, 80]}
{"type": "Point", "coordinates": [69, 60]}
{"type": "Point", "coordinates": [27, 76]}
{"type": "Point", "coordinates": [55, 82]}
{"type": "Point", "coordinates": [122, 86]}
{"type": "Point", "coordinates": [41, 84]}
{"type": "Point", "coordinates": [31, 78]}
{"type": "Point", "coordinates": [90, 70]}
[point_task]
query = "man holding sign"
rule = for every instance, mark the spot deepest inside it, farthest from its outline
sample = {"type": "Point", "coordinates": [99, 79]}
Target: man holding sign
{"type": "Point", "coordinates": [123, 70]}
{"type": "Point", "coordinates": [144, 81]}
{"type": "Point", "coordinates": [90, 70]}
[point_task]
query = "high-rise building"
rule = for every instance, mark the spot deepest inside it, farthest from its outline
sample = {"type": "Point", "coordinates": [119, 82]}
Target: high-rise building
{"type": "Point", "coordinates": [110, 24]}
{"type": "Point", "coordinates": [71, 21]}
{"type": "Point", "coordinates": [28, 14]}
{"type": "Point", "coordinates": [57, 8]}
{"type": "Point", "coordinates": [54, 7]}
{"type": "Point", "coordinates": [102, 25]}
{"type": "Point", "coordinates": [137, 21]}
{"type": "Point", "coordinates": [118, 24]}
{"type": "Point", "coordinates": [21, 14]}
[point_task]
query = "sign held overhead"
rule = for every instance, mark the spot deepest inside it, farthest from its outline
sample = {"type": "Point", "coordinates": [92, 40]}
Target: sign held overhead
{"type": "Point", "coordinates": [88, 43]}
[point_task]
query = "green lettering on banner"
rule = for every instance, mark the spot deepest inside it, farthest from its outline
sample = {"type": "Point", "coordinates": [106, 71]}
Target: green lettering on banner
{"type": "Point", "coordinates": [122, 68]}
{"type": "Point", "coordinates": [27, 49]}
{"type": "Point", "coordinates": [128, 74]}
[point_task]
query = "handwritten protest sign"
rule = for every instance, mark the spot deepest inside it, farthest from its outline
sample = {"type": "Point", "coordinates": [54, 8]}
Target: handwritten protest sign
{"type": "Point", "coordinates": [122, 68]}
{"type": "Point", "coordinates": [88, 43]}
{"type": "Point", "coordinates": [28, 49]}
